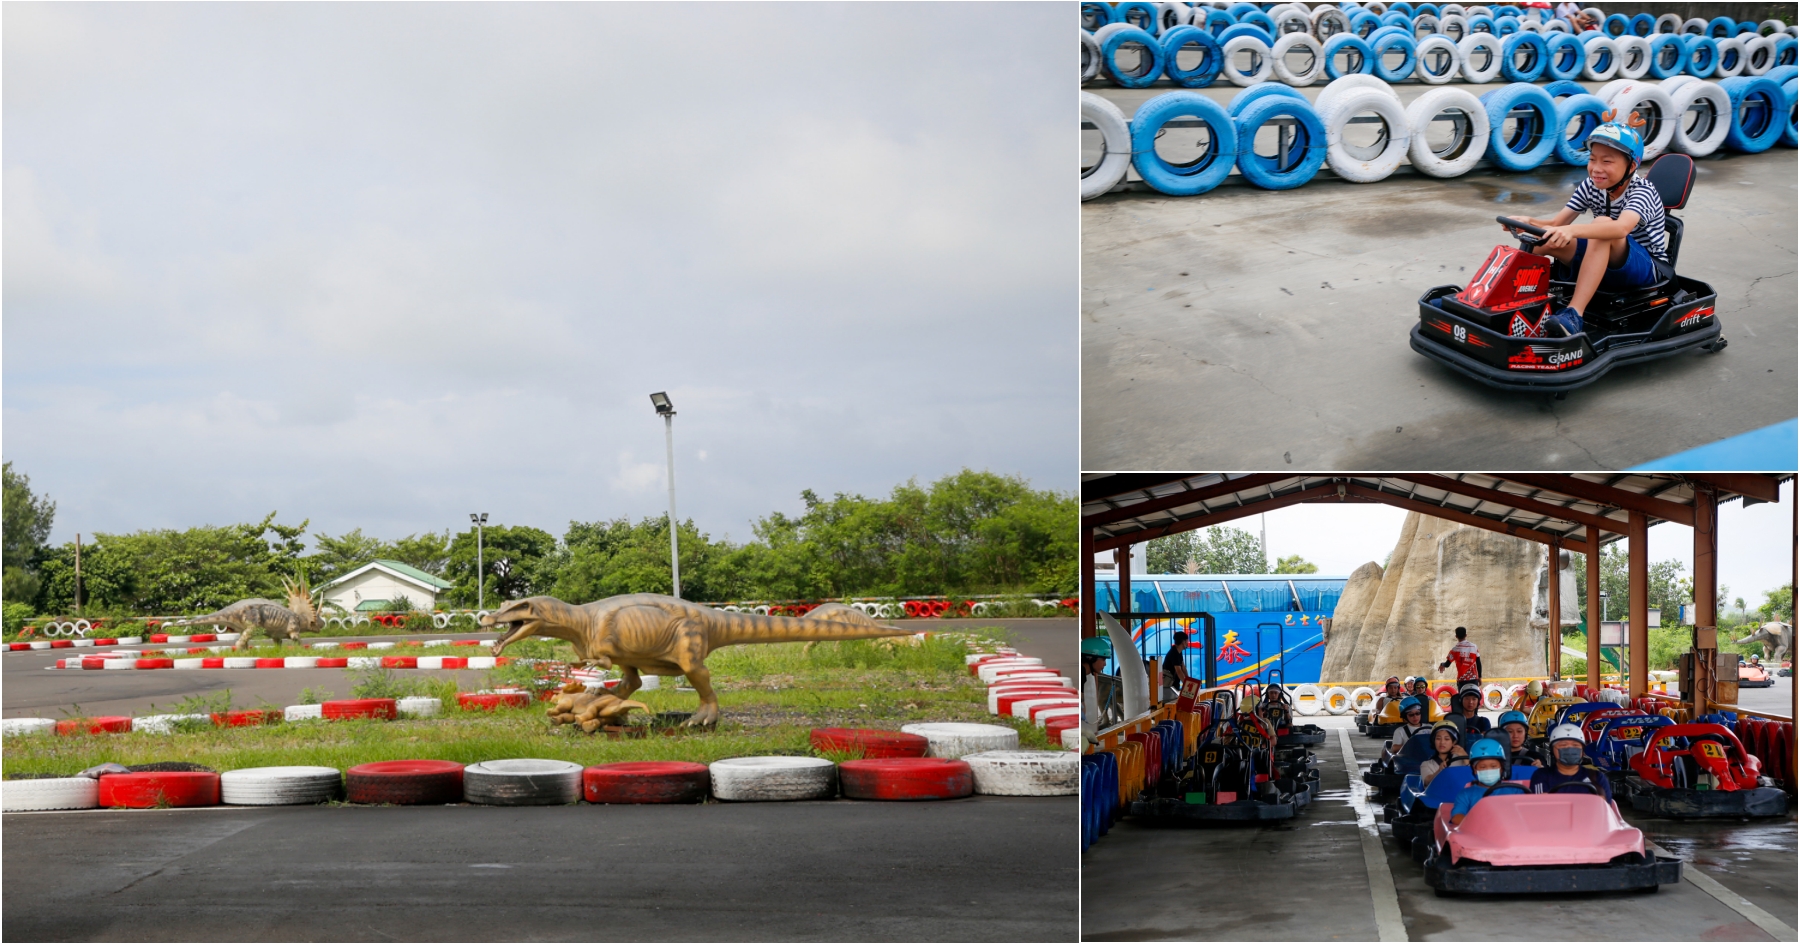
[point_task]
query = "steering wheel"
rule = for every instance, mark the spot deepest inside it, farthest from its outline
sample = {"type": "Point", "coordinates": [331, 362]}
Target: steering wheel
{"type": "Point", "coordinates": [1506, 786]}
{"type": "Point", "coordinates": [1520, 229]}
{"type": "Point", "coordinates": [1586, 786]}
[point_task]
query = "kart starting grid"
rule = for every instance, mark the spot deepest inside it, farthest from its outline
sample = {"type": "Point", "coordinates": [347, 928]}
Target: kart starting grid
{"type": "Point", "coordinates": [1334, 872]}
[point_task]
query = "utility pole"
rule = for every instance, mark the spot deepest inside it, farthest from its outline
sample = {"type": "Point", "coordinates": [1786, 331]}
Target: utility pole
{"type": "Point", "coordinates": [666, 408]}
{"type": "Point", "coordinates": [77, 574]}
{"type": "Point", "coordinates": [480, 519]}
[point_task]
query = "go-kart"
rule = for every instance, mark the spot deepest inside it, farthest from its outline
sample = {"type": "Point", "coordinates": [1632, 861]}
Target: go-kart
{"type": "Point", "coordinates": [1493, 329]}
{"type": "Point", "coordinates": [1238, 776]}
{"type": "Point", "coordinates": [1386, 777]}
{"type": "Point", "coordinates": [1539, 722]}
{"type": "Point", "coordinates": [1753, 676]}
{"type": "Point", "coordinates": [1410, 815]}
{"type": "Point", "coordinates": [1700, 770]}
{"type": "Point", "coordinates": [1620, 738]}
{"type": "Point", "coordinates": [1513, 841]}
{"type": "Point", "coordinates": [1278, 713]}
{"type": "Point", "coordinates": [1381, 725]}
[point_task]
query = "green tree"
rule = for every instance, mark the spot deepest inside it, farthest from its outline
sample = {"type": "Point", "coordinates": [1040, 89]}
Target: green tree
{"type": "Point", "coordinates": [334, 557]}
{"type": "Point", "coordinates": [1667, 587]}
{"type": "Point", "coordinates": [1171, 554]}
{"type": "Point", "coordinates": [168, 572]}
{"type": "Point", "coordinates": [1294, 564]}
{"type": "Point", "coordinates": [1227, 550]}
{"type": "Point", "coordinates": [25, 529]}
{"type": "Point", "coordinates": [510, 560]}
{"type": "Point", "coordinates": [620, 557]}
{"type": "Point", "coordinates": [1778, 605]}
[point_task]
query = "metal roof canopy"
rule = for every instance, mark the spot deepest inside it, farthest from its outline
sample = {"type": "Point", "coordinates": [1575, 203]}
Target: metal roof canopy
{"type": "Point", "coordinates": [1576, 512]}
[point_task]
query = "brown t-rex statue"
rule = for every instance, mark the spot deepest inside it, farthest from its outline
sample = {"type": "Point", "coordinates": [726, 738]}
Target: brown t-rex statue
{"type": "Point", "coordinates": [669, 636]}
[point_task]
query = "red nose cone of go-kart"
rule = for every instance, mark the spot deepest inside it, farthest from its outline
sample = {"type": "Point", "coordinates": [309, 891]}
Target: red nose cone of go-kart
{"type": "Point", "coordinates": [1540, 830]}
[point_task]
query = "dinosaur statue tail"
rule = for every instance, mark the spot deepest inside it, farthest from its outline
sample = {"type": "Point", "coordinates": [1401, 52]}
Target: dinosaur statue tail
{"type": "Point", "coordinates": [217, 616]}
{"type": "Point", "coordinates": [756, 628]}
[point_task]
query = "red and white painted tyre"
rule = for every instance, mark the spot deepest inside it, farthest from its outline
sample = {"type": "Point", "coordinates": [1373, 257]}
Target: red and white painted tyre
{"type": "Point", "coordinates": [280, 786]}
{"type": "Point", "coordinates": [490, 701]}
{"type": "Point", "coordinates": [522, 782]}
{"type": "Point", "coordinates": [1026, 773]}
{"type": "Point", "coordinates": [49, 794]}
{"type": "Point", "coordinates": [906, 779]}
{"type": "Point", "coordinates": [1023, 709]}
{"type": "Point", "coordinates": [1002, 703]}
{"type": "Point", "coordinates": [98, 725]}
{"type": "Point", "coordinates": [11, 727]}
{"type": "Point", "coordinates": [300, 713]}
{"type": "Point", "coordinates": [996, 693]}
{"type": "Point", "coordinates": [872, 742]}
{"type": "Point", "coordinates": [956, 739]}
{"type": "Point", "coordinates": [404, 782]}
{"type": "Point", "coordinates": [994, 674]}
{"type": "Point", "coordinates": [159, 789]}
{"type": "Point", "coordinates": [988, 670]}
{"type": "Point", "coordinates": [646, 782]}
{"type": "Point", "coordinates": [360, 709]}
{"type": "Point", "coordinates": [419, 707]}
{"type": "Point", "coordinates": [1042, 715]}
{"type": "Point", "coordinates": [773, 778]}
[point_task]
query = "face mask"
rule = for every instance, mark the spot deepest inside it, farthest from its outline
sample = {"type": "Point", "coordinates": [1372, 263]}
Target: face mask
{"type": "Point", "coordinates": [1570, 755]}
{"type": "Point", "coordinates": [1488, 776]}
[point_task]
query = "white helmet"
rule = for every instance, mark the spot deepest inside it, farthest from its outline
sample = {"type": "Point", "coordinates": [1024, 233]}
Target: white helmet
{"type": "Point", "coordinates": [1567, 731]}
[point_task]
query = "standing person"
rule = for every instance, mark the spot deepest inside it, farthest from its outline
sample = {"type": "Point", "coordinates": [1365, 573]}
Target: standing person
{"type": "Point", "coordinates": [1174, 669]}
{"type": "Point", "coordinates": [1100, 693]}
{"type": "Point", "coordinates": [1467, 658]}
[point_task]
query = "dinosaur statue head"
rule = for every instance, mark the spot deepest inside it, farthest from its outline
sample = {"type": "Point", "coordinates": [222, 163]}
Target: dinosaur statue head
{"type": "Point", "coordinates": [527, 618]}
{"type": "Point", "coordinates": [300, 601]}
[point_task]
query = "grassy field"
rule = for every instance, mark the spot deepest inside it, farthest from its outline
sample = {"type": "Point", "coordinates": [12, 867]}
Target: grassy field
{"type": "Point", "coordinates": [770, 697]}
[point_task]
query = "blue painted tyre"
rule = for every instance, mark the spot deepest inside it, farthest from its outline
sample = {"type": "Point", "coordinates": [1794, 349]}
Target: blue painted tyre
{"type": "Point", "coordinates": [1095, 15]}
{"type": "Point", "coordinates": [1565, 58]}
{"type": "Point", "coordinates": [1403, 7]}
{"type": "Point", "coordinates": [1217, 21]}
{"type": "Point", "coordinates": [1481, 23]}
{"type": "Point", "coordinates": [1746, 26]}
{"type": "Point", "coordinates": [1261, 90]}
{"type": "Point", "coordinates": [1787, 50]}
{"type": "Point", "coordinates": [1719, 27]}
{"type": "Point", "coordinates": [1150, 61]}
{"type": "Point", "coordinates": [1424, 8]}
{"type": "Point", "coordinates": [1141, 14]}
{"type": "Point", "coordinates": [1348, 42]}
{"type": "Point", "coordinates": [1305, 155]}
{"type": "Point", "coordinates": [1533, 44]}
{"type": "Point", "coordinates": [1211, 59]}
{"type": "Point", "coordinates": [1563, 88]}
{"type": "Point", "coordinates": [1534, 140]}
{"type": "Point", "coordinates": [1193, 177]}
{"type": "Point", "coordinates": [1702, 57]}
{"type": "Point", "coordinates": [1396, 18]}
{"type": "Point", "coordinates": [1780, 74]}
{"type": "Point", "coordinates": [1263, 20]}
{"type": "Point", "coordinates": [1394, 42]}
{"type": "Point", "coordinates": [1791, 137]}
{"type": "Point", "coordinates": [1246, 29]}
{"type": "Point", "coordinates": [1572, 148]}
{"type": "Point", "coordinates": [1506, 25]}
{"type": "Point", "coordinates": [1509, 10]}
{"type": "Point", "coordinates": [1666, 56]}
{"type": "Point", "coordinates": [1362, 23]}
{"type": "Point", "coordinates": [1237, 11]}
{"type": "Point", "coordinates": [1616, 25]}
{"type": "Point", "coordinates": [1385, 31]}
{"type": "Point", "coordinates": [1759, 113]}
{"type": "Point", "coordinates": [1643, 25]}
{"type": "Point", "coordinates": [1588, 36]}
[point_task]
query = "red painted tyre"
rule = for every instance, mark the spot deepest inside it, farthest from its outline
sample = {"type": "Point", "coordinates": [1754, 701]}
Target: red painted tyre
{"type": "Point", "coordinates": [98, 725]}
{"type": "Point", "coordinates": [160, 789]}
{"type": "Point", "coordinates": [455, 662]}
{"type": "Point", "coordinates": [244, 719]}
{"type": "Point", "coordinates": [874, 742]}
{"type": "Point", "coordinates": [360, 709]}
{"type": "Point", "coordinates": [1054, 728]}
{"type": "Point", "coordinates": [353, 645]}
{"type": "Point", "coordinates": [404, 782]}
{"type": "Point", "coordinates": [107, 641]}
{"type": "Point", "coordinates": [212, 662]}
{"type": "Point", "coordinates": [333, 662]}
{"type": "Point", "coordinates": [646, 782]}
{"type": "Point", "coordinates": [93, 662]}
{"type": "Point", "coordinates": [465, 642]}
{"type": "Point", "coordinates": [273, 662]}
{"type": "Point", "coordinates": [906, 779]}
{"type": "Point", "coordinates": [159, 638]}
{"type": "Point", "coordinates": [154, 663]}
{"type": "Point", "coordinates": [203, 637]}
{"type": "Point", "coordinates": [15, 647]}
{"type": "Point", "coordinates": [1442, 696]}
{"type": "Point", "coordinates": [491, 700]}
{"type": "Point", "coordinates": [1005, 701]}
{"type": "Point", "coordinates": [61, 644]}
{"type": "Point", "coordinates": [399, 662]}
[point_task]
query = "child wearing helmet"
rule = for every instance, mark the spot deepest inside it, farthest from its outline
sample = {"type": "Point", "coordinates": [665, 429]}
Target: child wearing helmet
{"type": "Point", "coordinates": [1412, 722]}
{"type": "Point", "coordinates": [1467, 714]}
{"type": "Point", "coordinates": [1629, 235]}
{"type": "Point", "coordinates": [1386, 709]}
{"type": "Point", "coordinates": [1446, 750]}
{"type": "Point", "coordinates": [1421, 689]}
{"type": "Point", "coordinates": [1515, 728]}
{"type": "Point", "coordinates": [1488, 758]}
{"type": "Point", "coordinates": [1566, 753]}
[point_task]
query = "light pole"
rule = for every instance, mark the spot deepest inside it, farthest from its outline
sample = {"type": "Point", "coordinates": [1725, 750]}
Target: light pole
{"type": "Point", "coordinates": [667, 410]}
{"type": "Point", "coordinates": [480, 519]}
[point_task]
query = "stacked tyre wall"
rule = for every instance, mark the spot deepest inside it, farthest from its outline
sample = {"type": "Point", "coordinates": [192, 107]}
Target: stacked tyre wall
{"type": "Point", "coordinates": [1750, 89]}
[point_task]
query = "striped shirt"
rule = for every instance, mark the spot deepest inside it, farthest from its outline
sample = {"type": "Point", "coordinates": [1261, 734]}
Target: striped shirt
{"type": "Point", "coordinates": [1641, 196]}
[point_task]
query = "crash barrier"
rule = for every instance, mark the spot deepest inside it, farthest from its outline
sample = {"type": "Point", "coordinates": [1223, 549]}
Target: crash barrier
{"type": "Point", "coordinates": [1518, 126]}
{"type": "Point", "coordinates": [1129, 757]}
{"type": "Point", "coordinates": [136, 660]}
{"type": "Point", "coordinates": [907, 609]}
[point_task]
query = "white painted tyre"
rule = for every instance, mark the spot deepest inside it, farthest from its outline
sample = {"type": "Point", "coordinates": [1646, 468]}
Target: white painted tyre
{"type": "Point", "coordinates": [1435, 46]}
{"type": "Point", "coordinates": [1731, 44]}
{"type": "Point", "coordinates": [487, 662]}
{"type": "Point", "coordinates": [773, 778]}
{"type": "Point", "coordinates": [1307, 699]}
{"type": "Point", "coordinates": [1600, 49]}
{"type": "Point", "coordinates": [1512, 694]}
{"type": "Point", "coordinates": [1463, 152]}
{"type": "Point", "coordinates": [1026, 773]}
{"type": "Point", "coordinates": [280, 786]}
{"type": "Point", "coordinates": [385, 645]}
{"type": "Point", "coordinates": [522, 782]}
{"type": "Point", "coordinates": [1362, 699]}
{"type": "Point", "coordinates": [1453, 26]}
{"type": "Point", "coordinates": [956, 739]}
{"type": "Point", "coordinates": [166, 724]}
{"type": "Point", "coordinates": [300, 713]}
{"type": "Point", "coordinates": [300, 662]}
{"type": "Point", "coordinates": [11, 727]}
{"type": "Point", "coordinates": [1115, 138]}
{"type": "Point", "coordinates": [1639, 96]}
{"type": "Point", "coordinates": [374, 662]}
{"type": "Point", "coordinates": [1328, 21]}
{"type": "Point", "coordinates": [50, 794]}
{"type": "Point", "coordinates": [1343, 86]}
{"type": "Point", "coordinates": [1607, 91]}
{"type": "Point", "coordinates": [1493, 697]}
{"type": "Point", "coordinates": [1264, 63]}
{"type": "Point", "coordinates": [190, 662]}
{"type": "Point", "coordinates": [429, 662]}
{"type": "Point", "coordinates": [419, 707]}
{"type": "Point", "coordinates": [1090, 67]}
{"type": "Point", "coordinates": [1071, 739]}
{"type": "Point", "coordinates": [1634, 56]}
{"type": "Point", "coordinates": [40, 644]}
{"type": "Point", "coordinates": [1352, 168]}
{"type": "Point", "coordinates": [236, 662]}
{"type": "Point", "coordinates": [1473, 60]}
{"type": "Point", "coordinates": [1288, 43]}
{"type": "Point", "coordinates": [1759, 54]}
{"type": "Point", "coordinates": [1337, 700]}
{"type": "Point", "coordinates": [1712, 99]}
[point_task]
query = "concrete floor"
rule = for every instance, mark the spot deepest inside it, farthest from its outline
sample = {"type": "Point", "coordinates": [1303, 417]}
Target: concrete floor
{"type": "Point", "coordinates": [1252, 329]}
{"type": "Point", "coordinates": [1227, 883]}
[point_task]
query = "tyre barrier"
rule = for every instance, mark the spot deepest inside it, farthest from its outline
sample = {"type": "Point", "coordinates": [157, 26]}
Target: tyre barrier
{"type": "Point", "coordinates": [522, 782]}
{"type": "Point", "coordinates": [404, 782]}
{"type": "Point", "coordinates": [1493, 697]}
{"type": "Point", "coordinates": [908, 779]}
{"type": "Point", "coordinates": [1025, 773]}
{"type": "Point", "coordinates": [646, 782]}
{"type": "Point", "coordinates": [279, 786]}
{"type": "Point", "coordinates": [1759, 113]}
{"type": "Point", "coordinates": [360, 709]}
{"type": "Point", "coordinates": [954, 740]}
{"type": "Point", "coordinates": [872, 743]}
{"type": "Point", "coordinates": [1307, 699]}
{"type": "Point", "coordinates": [1442, 696]}
{"type": "Point", "coordinates": [49, 794]}
{"type": "Point", "coordinates": [26, 726]}
{"type": "Point", "coordinates": [773, 778]}
{"type": "Point", "coordinates": [1337, 700]}
{"type": "Point", "coordinates": [97, 725]}
{"type": "Point", "coordinates": [1362, 699]}
{"type": "Point", "coordinates": [144, 789]}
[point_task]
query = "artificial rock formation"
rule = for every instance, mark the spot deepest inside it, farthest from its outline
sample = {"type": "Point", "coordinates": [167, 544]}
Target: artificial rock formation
{"type": "Point", "coordinates": [1400, 620]}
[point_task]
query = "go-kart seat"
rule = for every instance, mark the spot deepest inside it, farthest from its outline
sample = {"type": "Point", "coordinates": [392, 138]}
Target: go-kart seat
{"type": "Point", "coordinates": [1673, 177]}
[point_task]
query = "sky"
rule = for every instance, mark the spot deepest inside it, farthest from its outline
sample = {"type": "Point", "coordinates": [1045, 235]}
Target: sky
{"type": "Point", "coordinates": [381, 266]}
{"type": "Point", "coordinates": [1755, 543]}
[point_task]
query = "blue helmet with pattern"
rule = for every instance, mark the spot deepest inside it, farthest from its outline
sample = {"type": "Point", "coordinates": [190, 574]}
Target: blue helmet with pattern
{"type": "Point", "coordinates": [1621, 136]}
{"type": "Point", "coordinates": [1486, 748]}
{"type": "Point", "coordinates": [1513, 716]}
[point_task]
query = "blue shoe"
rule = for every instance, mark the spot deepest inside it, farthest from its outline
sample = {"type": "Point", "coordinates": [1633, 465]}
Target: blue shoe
{"type": "Point", "coordinates": [1563, 324]}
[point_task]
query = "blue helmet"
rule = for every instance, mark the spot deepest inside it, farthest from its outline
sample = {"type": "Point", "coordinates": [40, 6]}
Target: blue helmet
{"type": "Point", "coordinates": [1621, 137]}
{"type": "Point", "coordinates": [1486, 748]}
{"type": "Point", "coordinates": [1507, 718]}
{"type": "Point", "coordinates": [1409, 703]}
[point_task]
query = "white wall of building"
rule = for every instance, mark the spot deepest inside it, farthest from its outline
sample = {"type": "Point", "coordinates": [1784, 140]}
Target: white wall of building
{"type": "Point", "coordinates": [376, 584]}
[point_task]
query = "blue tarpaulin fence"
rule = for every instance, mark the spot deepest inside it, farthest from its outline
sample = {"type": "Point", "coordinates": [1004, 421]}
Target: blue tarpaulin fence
{"type": "Point", "coordinates": [1263, 621]}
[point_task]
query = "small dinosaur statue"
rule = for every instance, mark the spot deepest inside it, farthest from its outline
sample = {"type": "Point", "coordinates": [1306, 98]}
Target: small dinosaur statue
{"type": "Point", "coordinates": [590, 710]}
{"type": "Point", "coordinates": [252, 614]}
{"type": "Point", "coordinates": [669, 636]}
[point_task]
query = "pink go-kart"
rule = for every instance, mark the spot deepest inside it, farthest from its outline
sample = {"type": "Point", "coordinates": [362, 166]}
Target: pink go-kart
{"type": "Point", "coordinates": [1517, 842]}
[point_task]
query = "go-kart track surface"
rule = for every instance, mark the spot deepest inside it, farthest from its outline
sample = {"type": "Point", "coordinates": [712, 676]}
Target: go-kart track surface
{"type": "Point", "coordinates": [1269, 328]}
{"type": "Point", "coordinates": [1308, 879]}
